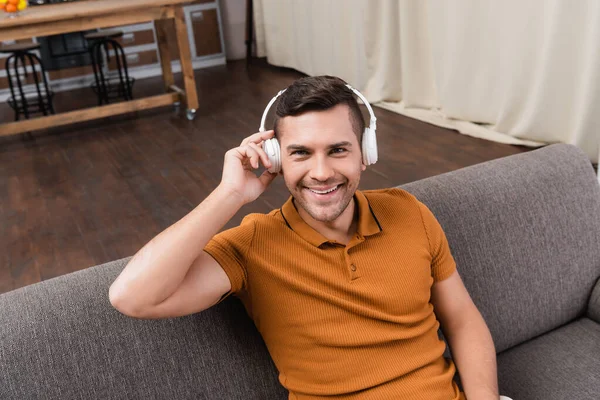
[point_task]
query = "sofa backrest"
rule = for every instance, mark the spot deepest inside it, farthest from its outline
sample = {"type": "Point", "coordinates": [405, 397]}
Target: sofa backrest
{"type": "Point", "coordinates": [61, 339]}
{"type": "Point", "coordinates": [525, 233]}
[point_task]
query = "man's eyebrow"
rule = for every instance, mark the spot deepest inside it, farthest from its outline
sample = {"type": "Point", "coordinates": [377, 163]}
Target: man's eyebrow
{"type": "Point", "coordinates": [340, 144]}
{"type": "Point", "coordinates": [296, 147]}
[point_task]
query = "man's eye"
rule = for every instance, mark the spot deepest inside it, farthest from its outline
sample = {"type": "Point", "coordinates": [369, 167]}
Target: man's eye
{"type": "Point", "coordinates": [338, 150]}
{"type": "Point", "coordinates": [299, 152]}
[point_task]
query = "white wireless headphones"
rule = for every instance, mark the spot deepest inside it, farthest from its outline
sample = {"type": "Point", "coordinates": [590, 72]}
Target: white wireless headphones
{"type": "Point", "coordinates": [369, 141]}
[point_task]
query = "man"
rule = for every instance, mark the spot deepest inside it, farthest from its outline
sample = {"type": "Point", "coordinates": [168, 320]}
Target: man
{"type": "Point", "coordinates": [341, 284]}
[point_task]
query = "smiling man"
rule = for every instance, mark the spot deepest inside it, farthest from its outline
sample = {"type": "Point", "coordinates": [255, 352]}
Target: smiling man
{"type": "Point", "coordinates": [347, 288]}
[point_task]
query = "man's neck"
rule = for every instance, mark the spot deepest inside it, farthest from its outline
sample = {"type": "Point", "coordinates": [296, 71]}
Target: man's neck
{"type": "Point", "coordinates": [340, 229]}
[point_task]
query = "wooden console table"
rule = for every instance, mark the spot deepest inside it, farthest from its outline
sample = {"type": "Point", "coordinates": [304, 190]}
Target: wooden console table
{"type": "Point", "coordinates": [68, 17]}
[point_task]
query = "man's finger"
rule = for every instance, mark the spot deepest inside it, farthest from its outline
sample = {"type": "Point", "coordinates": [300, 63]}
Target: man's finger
{"type": "Point", "coordinates": [248, 154]}
{"type": "Point", "coordinates": [263, 156]}
{"type": "Point", "coordinates": [258, 137]}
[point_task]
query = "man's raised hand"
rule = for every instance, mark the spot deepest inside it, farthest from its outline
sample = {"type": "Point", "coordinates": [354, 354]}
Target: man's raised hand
{"type": "Point", "coordinates": [239, 178]}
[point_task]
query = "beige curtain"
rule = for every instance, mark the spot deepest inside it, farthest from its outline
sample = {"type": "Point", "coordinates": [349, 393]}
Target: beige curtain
{"type": "Point", "coordinates": [518, 72]}
{"type": "Point", "coordinates": [316, 37]}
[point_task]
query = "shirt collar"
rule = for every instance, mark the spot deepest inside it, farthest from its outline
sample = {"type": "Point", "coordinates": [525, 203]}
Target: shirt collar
{"type": "Point", "coordinates": [367, 222]}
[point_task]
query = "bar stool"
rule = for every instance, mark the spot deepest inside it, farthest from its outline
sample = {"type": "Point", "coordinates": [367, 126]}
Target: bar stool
{"type": "Point", "coordinates": [109, 85]}
{"type": "Point", "coordinates": [25, 99]}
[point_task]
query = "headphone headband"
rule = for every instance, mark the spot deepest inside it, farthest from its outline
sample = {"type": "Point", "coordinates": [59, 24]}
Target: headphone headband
{"type": "Point", "coordinates": [264, 117]}
{"type": "Point", "coordinates": [372, 122]}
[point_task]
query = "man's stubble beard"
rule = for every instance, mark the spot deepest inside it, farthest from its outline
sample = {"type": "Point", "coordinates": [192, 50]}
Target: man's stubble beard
{"type": "Point", "coordinates": [315, 212]}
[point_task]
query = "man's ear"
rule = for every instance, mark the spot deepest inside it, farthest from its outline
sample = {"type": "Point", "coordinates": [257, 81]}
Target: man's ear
{"type": "Point", "coordinates": [362, 166]}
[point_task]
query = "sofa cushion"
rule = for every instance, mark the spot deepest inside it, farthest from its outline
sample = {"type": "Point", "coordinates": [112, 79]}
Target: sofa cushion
{"type": "Point", "coordinates": [563, 364]}
{"type": "Point", "coordinates": [524, 231]}
{"type": "Point", "coordinates": [61, 339]}
{"type": "Point", "coordinates": [594, 304]}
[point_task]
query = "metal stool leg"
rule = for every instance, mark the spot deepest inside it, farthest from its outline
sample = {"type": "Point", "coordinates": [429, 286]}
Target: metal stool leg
{"type": "Point", "coordinates": [49, 99]}
{"type": "Point", "coordinates": [21, 57]}
{"type": "Point", "coordinates": [125, 89]}
{"type": "Point", "coordinates": [41, 100]}
{"type": "Point", "coordinates": [96, 65]}
{"type": "Point", "coordinates": [102, 89]}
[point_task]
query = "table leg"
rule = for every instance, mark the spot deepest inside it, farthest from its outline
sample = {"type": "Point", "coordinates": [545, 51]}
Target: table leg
{"type": "Point", "coordinates": [164, 52]}
{"type": "Point", "coordinates": [185, 57]}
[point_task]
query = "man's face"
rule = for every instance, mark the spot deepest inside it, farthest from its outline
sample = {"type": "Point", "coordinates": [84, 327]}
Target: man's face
{"type": "Point", "coordinates": [321, 161]}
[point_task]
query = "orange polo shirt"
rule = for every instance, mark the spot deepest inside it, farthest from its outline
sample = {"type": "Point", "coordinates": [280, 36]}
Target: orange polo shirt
{"type": "Point", "coordinates": [346, 321]}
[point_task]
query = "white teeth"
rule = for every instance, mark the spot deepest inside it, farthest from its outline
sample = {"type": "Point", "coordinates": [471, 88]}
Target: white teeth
{"type": "Point", "coordinates": [323, 191]}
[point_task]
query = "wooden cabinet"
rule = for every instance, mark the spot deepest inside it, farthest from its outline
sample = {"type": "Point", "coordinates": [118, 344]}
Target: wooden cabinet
{"type": "Point", "coordinates": [136, 38]}
{"type": "Point", "coordinates": [137, 59]}
{"type": "Point", "coordinates": [3, 82]}
{"type": "Point", "coordinates": [69, 73]}
{"type": "Point", "coordinates": [206, 33]}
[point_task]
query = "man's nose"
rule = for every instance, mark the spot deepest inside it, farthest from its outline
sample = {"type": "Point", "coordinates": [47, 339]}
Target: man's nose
{"type": "Point", "coordinates": [321, 169]}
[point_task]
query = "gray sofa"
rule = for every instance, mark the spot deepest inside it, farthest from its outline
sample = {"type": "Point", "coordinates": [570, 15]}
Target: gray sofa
{"type": "Point", "coordinates": [525, 232]}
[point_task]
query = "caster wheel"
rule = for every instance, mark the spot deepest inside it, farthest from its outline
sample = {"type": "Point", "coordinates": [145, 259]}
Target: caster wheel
{"type": "Point", "coordinates": [190, 114]}
{"type": "Point", "coordinates": [177, 106]}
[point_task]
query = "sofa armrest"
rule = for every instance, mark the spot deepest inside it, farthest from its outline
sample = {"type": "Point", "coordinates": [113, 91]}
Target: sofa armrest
{"type": "Point", "coordinates": [594, 304]}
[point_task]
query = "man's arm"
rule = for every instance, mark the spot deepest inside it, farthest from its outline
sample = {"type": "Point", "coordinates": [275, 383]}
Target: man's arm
{"type": "Point", "coordinates": [468, 336]}
{"type": "Point", "coordinates": [172, 275]}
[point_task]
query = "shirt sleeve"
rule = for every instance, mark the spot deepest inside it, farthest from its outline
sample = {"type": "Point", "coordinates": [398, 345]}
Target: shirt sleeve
{"type": "Point", "coordinates": [442, 262]}
{"type": "Point", "coordinates": [230, 249]}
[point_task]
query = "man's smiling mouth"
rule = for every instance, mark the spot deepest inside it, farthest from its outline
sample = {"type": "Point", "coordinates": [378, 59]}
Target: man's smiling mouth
{"type": "Point", "coordinates": [324, 191]}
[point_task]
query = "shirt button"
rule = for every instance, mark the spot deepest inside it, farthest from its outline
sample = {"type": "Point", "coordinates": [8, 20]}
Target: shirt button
{"type": "Point", "coordinates": [353, 267]}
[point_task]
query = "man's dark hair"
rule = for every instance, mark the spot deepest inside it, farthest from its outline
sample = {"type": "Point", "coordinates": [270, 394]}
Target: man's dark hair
{"type": "Point", "coordinates": [319, 93]}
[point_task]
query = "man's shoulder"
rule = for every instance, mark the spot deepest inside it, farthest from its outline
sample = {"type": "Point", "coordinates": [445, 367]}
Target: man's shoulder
{"type": "Point", "coordinates": [393, 204]}
{"type": "Point", "coordinates": [254, 227]}
{"type": "Point", "coordinates": [272, 219]}
{"type": "Point", "coordinates": [390, 197]}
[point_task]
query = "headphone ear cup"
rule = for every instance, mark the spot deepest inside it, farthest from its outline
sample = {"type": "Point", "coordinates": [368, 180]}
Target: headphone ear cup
{"type": "Point", "coordinates": [369, 147]}
{"type": "Point", "coordinates": [271, 147]}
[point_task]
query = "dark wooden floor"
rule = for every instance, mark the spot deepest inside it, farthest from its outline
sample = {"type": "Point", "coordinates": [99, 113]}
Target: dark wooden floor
{"type": "Point", "coordinates": [78, 196]}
